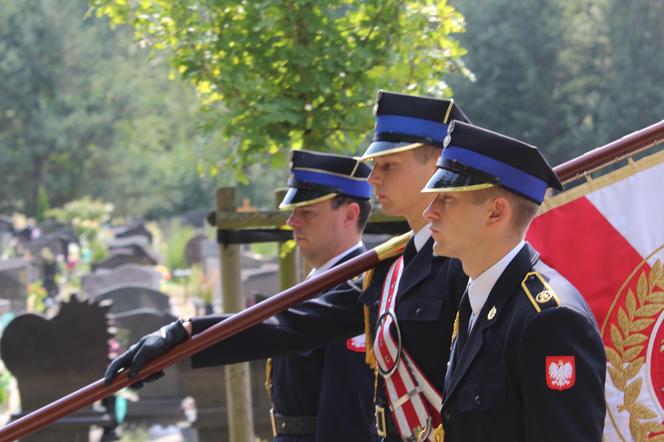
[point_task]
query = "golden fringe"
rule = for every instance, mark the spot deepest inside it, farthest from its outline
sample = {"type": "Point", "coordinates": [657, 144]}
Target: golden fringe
{"type": "Point", "coordinates": [369, 357]}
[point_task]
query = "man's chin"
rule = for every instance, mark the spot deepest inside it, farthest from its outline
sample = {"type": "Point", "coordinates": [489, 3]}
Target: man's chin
{"type": "Point", "coordinates": [439, 249]}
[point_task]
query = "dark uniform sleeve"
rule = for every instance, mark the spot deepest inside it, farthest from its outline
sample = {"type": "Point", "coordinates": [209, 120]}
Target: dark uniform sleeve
{"type": "Point", "coordinates": [563, 400]}
{"type": "Point", "coordinates": [334, 315]}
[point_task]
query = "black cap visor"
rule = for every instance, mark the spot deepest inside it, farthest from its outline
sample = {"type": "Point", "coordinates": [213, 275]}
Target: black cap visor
{"type": "Point", "coordinates": [445, 180]}
{"type": "Point", "coordinates": [296, 197]}
{"type": "Point", "coordinates": [380, 148]}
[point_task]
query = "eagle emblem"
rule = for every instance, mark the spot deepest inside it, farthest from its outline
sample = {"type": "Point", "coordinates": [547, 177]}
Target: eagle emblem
{"type": "Point", "coordinates": [560, 372]}
{"type": "Point", "coordinates": [356, 343]}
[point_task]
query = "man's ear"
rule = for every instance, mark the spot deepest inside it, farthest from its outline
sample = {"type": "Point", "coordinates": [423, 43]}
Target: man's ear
{"type": "Point", "coordinates": [351, 214]}
{"type": "Point", "coordinates": [499, 210]}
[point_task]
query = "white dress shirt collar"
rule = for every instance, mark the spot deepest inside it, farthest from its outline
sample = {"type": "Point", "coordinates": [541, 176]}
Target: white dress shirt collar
{"type": "Point", "coordinates": [330, 263]}
{"type": "Point", "coordinates": [422, 236]}
{"type": "Point", "coordinates": [480, 287]}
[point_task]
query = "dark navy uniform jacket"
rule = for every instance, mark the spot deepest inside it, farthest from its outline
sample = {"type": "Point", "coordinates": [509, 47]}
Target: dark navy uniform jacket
{"type": "Point", "coordinates": [331, 382]}
{"type": "Point", "coordinates": [427, 301]}
{"type": "Point", "coordinates": [497, 387]}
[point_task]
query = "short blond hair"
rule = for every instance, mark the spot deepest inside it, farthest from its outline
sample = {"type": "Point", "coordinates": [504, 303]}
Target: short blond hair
{"type": "Point", "coordinates": [524, 209]}
{"type": "Point", "coordinates": [425, 153]}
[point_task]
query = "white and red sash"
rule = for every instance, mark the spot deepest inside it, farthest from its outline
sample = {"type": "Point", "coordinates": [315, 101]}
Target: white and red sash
{"type": "Point", "coordinates": [415, 403]}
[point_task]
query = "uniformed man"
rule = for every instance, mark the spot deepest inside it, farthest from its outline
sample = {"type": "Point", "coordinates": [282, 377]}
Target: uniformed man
{"type": "Point", "coordinates": [320, 394]}
{"type": "Point", "coordinates": [528, 362]}
{"type": "Point", "coordinates": [410, 302]}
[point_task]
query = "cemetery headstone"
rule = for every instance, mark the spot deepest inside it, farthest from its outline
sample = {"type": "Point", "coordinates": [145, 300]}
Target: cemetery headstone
{"type": "Point", "coordinates": [133, 275]}
{"type": "Point", "coordinates": [134, 254]}
{"type": "Point", "coordinates": [137, 229]}
{"type": "Point", "coordinates": [127, 299]}
{"type": "Point", "coordinates": [53, 357]}
{"type": "Point", "coordinates": [14, 282]}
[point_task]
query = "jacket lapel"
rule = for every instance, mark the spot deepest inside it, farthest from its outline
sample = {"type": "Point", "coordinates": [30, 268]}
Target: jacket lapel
{"type": "Point", "coordinates": [417, 269]}
{"type": "Point", "coordinates": [501, 292]}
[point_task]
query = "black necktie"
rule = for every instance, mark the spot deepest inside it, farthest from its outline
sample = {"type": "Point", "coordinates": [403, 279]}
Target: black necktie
{"type": "Point", "coordinates": [464, 317]}
{"type": "Point", "coordinates": [461, 338]}
{"type": "Point", "coordinates": [409, 252]}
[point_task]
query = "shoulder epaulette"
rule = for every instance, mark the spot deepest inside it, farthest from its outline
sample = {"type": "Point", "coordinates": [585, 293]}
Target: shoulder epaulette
{"type": "Point", "coordinates": [539, 292]}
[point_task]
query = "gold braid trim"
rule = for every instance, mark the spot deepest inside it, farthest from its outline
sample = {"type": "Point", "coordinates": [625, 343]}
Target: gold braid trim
{"type": "Point", "coordinates": [268, 379]}
{"type": "Point", "coordinates": [455, 329]}
{"type": "Point", "coordinates": [369, 356]}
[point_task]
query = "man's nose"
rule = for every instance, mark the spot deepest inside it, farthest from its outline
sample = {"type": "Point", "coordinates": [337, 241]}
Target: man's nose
{"type": "Point", "coordinates": [292, 220]}
{"type": "Point", "coordinates": [374, 177]}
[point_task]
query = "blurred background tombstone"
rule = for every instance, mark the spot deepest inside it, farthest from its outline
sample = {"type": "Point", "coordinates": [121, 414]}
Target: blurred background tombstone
{"type": "Point", "coordinates": [132, 275]}
{"type": "Point", "coordinates": [53, 357]}
{"type": "Point", "coordinates": [136, 229]}
{"type": "Point", "coordinates": [264, 279]}
{"type": "Point", "coordinates": [193, 250]}
{"type": "Point", "coordinates": [14, 282]}
{"type": "Point", "coordinates": [6, 234]}
{"type": "Point", "coordinates": [127, 299]}
{"type": "Point", "coordinates": [134, 254]}
{"type": "Point", "coordinates": [118, 243]}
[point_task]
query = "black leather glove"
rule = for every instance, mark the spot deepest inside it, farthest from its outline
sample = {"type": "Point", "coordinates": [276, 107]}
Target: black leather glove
{"type": "Point", "coordinates": [146, 349]}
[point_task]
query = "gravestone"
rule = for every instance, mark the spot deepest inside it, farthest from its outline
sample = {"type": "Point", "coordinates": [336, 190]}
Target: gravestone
{"type": "Point", "coordinates": [195, 218]}
{"type": "Point", "coordinates": [127, 299]}
{"type": "Point", "coordinates": [14, 282]}
{"type": "Point", "coordinates": [119, 243]}
{"type": "Point", "coordinates": [133, 254]}
{"type": "Point", "coordinates": [51, 358]}
{"type": "Point", "coordinates": [194, 248]}
{"type": "Point", "coordinates": [6, 233]}
{"type": "Point", "coordinates": [133, 275]}
{"type": "Point", "coordinates": [263, 280]}
{"type": "Point", "coordinates": [249, 260]}
{"type": "Point", "coordinates": [207, 387]}
{"type": "Point", "coordinates": [136, 229]}
{"type": "Point", "coordinates": [55, 245]}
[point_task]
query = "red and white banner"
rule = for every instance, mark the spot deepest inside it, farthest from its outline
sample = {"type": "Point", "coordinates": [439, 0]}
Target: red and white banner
{"type": "Point", "coordinates": [607, 238]}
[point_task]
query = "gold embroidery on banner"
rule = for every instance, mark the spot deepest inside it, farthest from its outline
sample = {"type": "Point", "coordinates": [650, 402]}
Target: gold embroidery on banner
{"type": "Point", "coordinates": [623, 360]}
{"type": "Point", "coordinates": [601, 182]}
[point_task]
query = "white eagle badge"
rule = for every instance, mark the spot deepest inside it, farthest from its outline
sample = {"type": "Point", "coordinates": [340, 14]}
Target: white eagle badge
{"type": "Point", "coordinates": [356, 343]}
{"type": "Point", "coordinates": [560, 372]}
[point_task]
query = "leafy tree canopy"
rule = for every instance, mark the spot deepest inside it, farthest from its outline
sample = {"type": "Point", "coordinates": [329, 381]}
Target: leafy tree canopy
{"type": "Point", "coordinates": [277, 74]}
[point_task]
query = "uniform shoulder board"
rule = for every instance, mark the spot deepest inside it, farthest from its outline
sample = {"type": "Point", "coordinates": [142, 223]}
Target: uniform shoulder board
{"type": "Point", "coordinates": [539, 292]}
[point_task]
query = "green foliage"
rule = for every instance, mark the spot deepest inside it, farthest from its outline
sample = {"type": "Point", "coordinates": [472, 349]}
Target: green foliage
{"type": "Point", "coordinates": [86, 216]}
{"type": "Point", "coordinates": [287, 247]}
{"type": "Point", "coordinates": [265, 249]}
{"type": "Point", "coordinates": [5, 385]}
{"type": "Point", "coordinates": [565, 75]}
{"type": "Point", "coordinates": [35, 299]}
{"type": "Point", "coordinates": [177, 236]}
{"type": "Point", "coordinates": [83, 111]}
{"type": "Point", "coordinates": [42, 204]}
{"type": "Point", "coordinates": [201, 285]}
{"type": "Point", "coordinates": [278, 74]}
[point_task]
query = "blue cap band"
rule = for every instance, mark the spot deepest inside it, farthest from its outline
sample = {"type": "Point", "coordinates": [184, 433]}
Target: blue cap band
{"type": "Point", "coordinates": [510, 177]}
{"type": "Point", "coordinates": [436, 131]}
{"type": "Point", "coordinates": [359, 188]}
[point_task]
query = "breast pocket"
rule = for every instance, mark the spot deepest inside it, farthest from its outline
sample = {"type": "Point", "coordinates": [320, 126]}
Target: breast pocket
{"type": "Point", "coordinates": [420, 308]}
{"type": "Point", "coordinates": [481, 396]}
